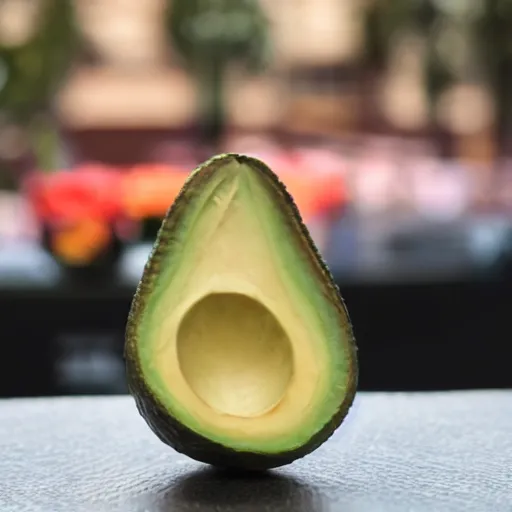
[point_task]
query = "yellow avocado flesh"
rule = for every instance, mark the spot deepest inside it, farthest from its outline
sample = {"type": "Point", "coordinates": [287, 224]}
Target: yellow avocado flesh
{"type": "Point", "coordinates": [240, 340]}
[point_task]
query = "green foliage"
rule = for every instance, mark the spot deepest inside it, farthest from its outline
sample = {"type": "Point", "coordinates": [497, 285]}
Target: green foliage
{"type": "Point", "coordinates": [387, 19]}
{"type": "Point", "coordinates": [30, 73]}
{"type": "Point", "coordinates": [211, 35]}
{"type": "Point", "coordinates": [493, 31]}
{"type": "Point", "coordinates": [480, 27]}
{"type": "Point", "coordinates": [219, 32]}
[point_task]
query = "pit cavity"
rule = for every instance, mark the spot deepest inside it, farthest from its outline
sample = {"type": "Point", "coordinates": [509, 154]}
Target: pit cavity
{"type": "Point", "coordinates": [234, 354]}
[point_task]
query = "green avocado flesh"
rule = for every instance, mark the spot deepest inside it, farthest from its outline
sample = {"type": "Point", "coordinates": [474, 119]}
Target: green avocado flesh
{"type": "Point", "coordinates": [239, 349]}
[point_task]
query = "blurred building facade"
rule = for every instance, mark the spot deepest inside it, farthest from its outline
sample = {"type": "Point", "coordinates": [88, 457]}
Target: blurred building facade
{"type": "Point", "coordinates": [129, 79]}
{"type": "Point", "coordinates": [135, 79]}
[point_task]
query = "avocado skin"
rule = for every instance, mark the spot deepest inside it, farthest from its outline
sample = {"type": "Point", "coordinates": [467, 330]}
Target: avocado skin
{"type": "Point", "coordinates": [167, 428]}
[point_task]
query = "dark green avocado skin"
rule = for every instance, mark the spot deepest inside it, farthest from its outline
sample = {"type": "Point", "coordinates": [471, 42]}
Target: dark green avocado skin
{"type": "Point", "coordinates": [165, 426]}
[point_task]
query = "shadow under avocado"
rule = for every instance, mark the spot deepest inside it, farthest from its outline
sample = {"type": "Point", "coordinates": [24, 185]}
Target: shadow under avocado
{"type": "Point", "coordinates": [211, 489]}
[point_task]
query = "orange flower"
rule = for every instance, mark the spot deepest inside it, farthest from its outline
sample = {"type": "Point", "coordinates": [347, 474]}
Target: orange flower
{"type": "Point", "coordinates": [82, 243]}
{"type": "Point", "coordinates": [149, 190]}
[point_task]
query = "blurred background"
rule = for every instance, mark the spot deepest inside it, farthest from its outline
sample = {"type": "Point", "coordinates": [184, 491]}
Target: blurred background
{"type": "Point", "coordinates": [388, 120]}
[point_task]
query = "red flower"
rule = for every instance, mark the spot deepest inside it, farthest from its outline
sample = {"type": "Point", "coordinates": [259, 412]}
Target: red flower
{"type": "Point", "coordinates": [66, 197]}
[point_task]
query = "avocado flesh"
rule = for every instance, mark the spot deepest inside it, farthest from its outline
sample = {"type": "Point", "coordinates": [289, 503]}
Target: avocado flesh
{"type": "Point", "coordinates": [239, 349]}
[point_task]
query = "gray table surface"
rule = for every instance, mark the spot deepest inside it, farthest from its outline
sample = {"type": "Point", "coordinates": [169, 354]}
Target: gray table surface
{"type": "Point", "coordinates": [435, 452]}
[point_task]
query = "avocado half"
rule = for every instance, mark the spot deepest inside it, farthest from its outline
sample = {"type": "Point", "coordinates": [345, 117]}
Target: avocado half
{"type": "Point", "coordinates": [239, 349]}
